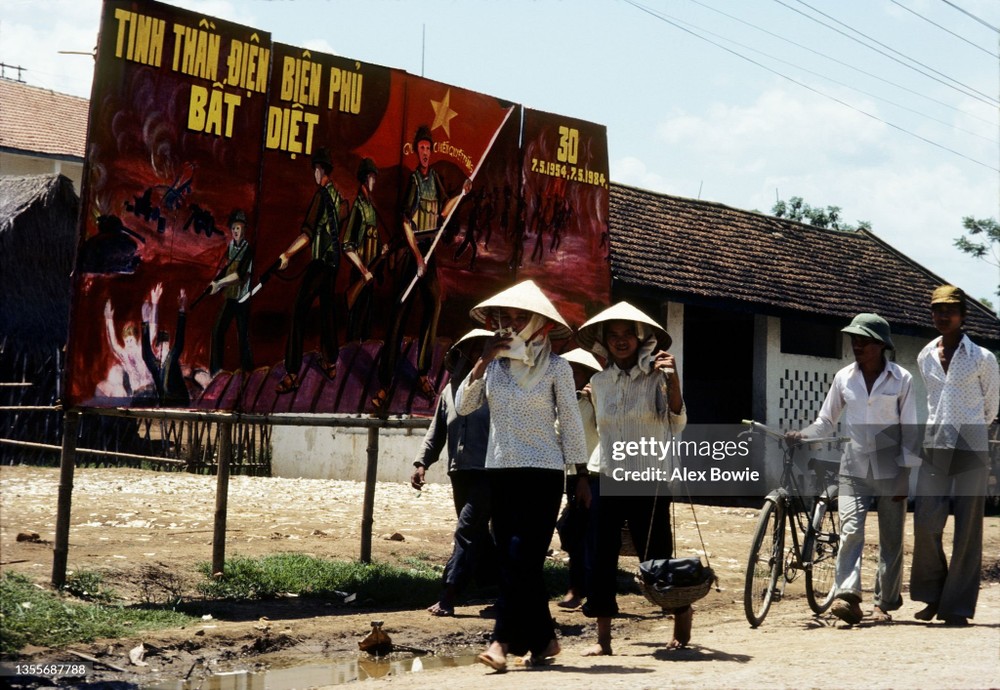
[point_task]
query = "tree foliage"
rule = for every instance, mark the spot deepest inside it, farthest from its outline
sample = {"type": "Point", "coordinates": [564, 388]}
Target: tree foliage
{"type": "Point", "coordinates": [982, 241]}
{"type": "Point", "coordinates": [796, 209]}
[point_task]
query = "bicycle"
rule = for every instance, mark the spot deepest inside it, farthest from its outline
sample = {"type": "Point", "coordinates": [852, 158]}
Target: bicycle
{"type": "Point", "coordinates": [815, 530]}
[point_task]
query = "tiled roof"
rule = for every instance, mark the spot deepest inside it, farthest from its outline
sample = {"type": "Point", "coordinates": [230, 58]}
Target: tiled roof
{"type": "Point", "coordinates": [702, 251]}
{"type": "Point", "coordinates": [39, 121]}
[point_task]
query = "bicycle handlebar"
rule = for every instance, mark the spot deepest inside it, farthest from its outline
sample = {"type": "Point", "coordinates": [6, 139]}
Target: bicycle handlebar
{"type": "Point", "coordinates": [780, 436]}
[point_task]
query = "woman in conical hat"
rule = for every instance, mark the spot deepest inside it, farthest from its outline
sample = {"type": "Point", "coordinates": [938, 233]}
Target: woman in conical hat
{"type": "Point", "coordinates": [637, 397]}
{"type": "Point", "coordinates": [529, 390]}
{"type": "Point", "coordinates": [572, 523]}
{"type": "Point", "coordinates": [466, 439]}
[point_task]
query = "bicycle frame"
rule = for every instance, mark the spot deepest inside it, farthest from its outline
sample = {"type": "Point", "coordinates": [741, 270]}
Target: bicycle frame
{"type": "Point", "coordinates": [787, 508]}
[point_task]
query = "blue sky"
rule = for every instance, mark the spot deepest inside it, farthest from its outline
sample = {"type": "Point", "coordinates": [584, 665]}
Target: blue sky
{"type": "Point", "coordinates": [738, 101]}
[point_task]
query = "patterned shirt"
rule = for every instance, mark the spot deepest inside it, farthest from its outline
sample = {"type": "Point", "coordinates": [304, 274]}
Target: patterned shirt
{"type": "Point", "coordinates": [882, 425]}
{"type": "Point", "coordinates": [523, 422]}
{"type": "Point", "coordinates": [631, 406]}
{"type": "Point", "coordinates": [962, 403]}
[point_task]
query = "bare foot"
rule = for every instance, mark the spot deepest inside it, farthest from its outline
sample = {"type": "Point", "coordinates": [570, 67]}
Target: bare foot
{"type": "Point", "coordinates": [880, 616]}
{"type": "Point", "coordinates": [599, 649]}
{"type": "Point", "coordinates": [682, 628]}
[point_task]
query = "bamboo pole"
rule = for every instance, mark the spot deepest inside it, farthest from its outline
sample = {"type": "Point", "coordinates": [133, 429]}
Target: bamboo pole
{"type": "Point", "coordinates": [224, 442]}
{"type": "Point", "coordinates": [67, 464]}
{"type": "Point", "coordinates": [368, 511]}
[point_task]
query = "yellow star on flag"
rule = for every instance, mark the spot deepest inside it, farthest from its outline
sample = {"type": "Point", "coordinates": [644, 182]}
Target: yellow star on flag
{"type": "Point", "coordinates": [443, 113]}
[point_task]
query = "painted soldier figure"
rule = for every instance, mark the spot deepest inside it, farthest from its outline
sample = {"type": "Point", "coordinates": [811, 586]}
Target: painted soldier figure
{"type": "Point", "coordinates": [365, 242]}
{"type": "Point", "coordinates": [425, 206]}
{"type": "Point", "coordinates": [234, 282]}
{"type": "Point", "coordinates": [321, 232]}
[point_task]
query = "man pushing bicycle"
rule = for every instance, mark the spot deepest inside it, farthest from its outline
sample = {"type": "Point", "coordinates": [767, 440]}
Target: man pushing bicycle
{"type": "Point", "coordinates": [876, 400]}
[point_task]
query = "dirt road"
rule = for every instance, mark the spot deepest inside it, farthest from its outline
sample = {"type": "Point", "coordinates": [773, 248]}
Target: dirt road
{"type": "Point", "coordinates": [128, 523]}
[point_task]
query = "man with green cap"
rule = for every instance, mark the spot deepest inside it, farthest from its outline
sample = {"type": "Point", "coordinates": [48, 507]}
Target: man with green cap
{"type": "Point", "coordinates": [875, 399]}
{"type": "Point", "coordinates": [963, 393]}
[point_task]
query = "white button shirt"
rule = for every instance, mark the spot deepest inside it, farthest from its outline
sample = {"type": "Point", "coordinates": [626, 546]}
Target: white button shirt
{"type": "Point", "coordinates": [630, 406]}
{"type": "Point", "coordinates": [881, 425]}
{"type": "Point", "coordinates": [962, 403]}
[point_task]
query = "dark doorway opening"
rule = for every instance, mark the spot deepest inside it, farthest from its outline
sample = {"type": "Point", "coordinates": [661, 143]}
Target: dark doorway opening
{"type": "Point", "coordinates": [718, 365]}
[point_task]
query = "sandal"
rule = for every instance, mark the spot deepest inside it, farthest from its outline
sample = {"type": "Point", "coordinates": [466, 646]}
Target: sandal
{"type": "Point", "coordinates": [570, 601]}
{"type": "Point", "coordinates": [288, 384]}
{"type": "Point", "coordinates": [498, 665]}
{"type": "Point", "coordinates": [330, 370]}
{"type": "Point", "coordinates": [442, 611]}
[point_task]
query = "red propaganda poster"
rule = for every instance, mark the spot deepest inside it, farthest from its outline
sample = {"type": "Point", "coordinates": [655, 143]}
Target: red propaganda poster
{"type": "Point", "coordinates": [168, 201]}
{"type": "Point", "coordinates": [268, 229]}
{"type": "Point", "coordinates": [565, 195]}
{"type": "Point", "coordinates": [329, 183]}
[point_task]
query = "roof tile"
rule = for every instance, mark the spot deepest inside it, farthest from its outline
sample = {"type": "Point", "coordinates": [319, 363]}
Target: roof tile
{"type": "Point", "coordinates": [700, 249]}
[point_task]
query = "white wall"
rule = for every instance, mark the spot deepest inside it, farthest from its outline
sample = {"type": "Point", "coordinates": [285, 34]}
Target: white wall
{"type": "Point", "coordinates": [339, 453]}
{"type": "Point", "coordinates": [15, 164]}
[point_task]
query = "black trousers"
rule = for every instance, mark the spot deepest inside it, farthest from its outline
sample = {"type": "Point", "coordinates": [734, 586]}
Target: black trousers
{"type": "Point", "coordinates": [318, 281]}
{"type": "Point", "coordinates": [525, 508]}
{"type": "Point", "coordinates": [232, 309]}
{"type": "Point", "coordinates": [608, 515]}
{"type": "Point", "coordinates": [473, 555]}
{"type": "Point", "coordinates": [572, 528]}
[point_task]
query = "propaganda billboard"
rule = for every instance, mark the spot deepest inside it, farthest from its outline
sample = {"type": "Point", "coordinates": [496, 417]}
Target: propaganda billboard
{"type": "Point", "coordinates": [268, 229]}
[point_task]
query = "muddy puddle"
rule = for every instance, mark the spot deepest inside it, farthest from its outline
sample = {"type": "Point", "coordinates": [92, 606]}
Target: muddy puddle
{"type": "Point", "coordinates": [315, 675]}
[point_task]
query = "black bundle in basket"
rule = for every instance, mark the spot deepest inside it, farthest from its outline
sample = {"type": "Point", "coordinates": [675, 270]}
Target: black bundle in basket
{"type": "Point", "coordinates": [675, 582]}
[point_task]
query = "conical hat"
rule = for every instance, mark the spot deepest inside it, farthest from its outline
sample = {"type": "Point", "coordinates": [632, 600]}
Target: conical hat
{"type": "Point", "coordinates": [623, 311]}
{"type": "Point", "coordinates": [529, 297]}
{"type": "Point", "coordinates": [582, 357]}
{"type": "Point", "coordinates": [453, 350]}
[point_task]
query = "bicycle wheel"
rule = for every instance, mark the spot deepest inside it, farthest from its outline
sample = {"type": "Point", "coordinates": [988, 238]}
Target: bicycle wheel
{"type": "Point", "coordinates": [820, 549]}
{"type": "Point", "coordinates": [765, 563]}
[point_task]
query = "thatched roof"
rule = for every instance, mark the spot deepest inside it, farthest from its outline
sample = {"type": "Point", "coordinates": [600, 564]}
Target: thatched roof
{"type": "Point", "coordinates": [38, 236]}
{"type": "Point", "coordinates": [697, 251]}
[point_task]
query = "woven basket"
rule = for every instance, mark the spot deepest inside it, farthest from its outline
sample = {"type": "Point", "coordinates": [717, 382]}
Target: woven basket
{"type": "Point", "coordinates": [676, 597]}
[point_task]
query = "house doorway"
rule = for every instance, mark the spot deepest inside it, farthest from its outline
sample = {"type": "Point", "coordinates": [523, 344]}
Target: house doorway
{"type": "Point", "coordinates": [718, 365]}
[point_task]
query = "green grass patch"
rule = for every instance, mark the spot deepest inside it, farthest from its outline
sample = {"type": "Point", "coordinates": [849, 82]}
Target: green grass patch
{"type": "Point", "coordinates": [89, 586]}
{"type": "Point", "coordinates": [30, 615]}
{"type": "Point", "coordinates": [409, 584]}
{"type": "Point", "coordinates": [267, 577]}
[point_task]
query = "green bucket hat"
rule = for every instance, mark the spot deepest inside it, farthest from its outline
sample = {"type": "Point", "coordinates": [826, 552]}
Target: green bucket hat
{"type": "Point", "coordinates": [871, 326]}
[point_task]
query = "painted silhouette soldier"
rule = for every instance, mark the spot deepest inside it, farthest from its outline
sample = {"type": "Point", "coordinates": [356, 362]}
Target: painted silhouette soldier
{"type": "Point", "coordinates": [321, 233]}
{"type": "Point", "coordinates": [234, 282]}
{"type": "Point", "coordinates": [365, 243]}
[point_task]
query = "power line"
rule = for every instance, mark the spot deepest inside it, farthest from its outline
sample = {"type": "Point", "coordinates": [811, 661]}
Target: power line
{"type": "Point", "coordinates": [665, 19]}
{"type": "Point", "coordinates": [981, 97]}
{"type": "Point", "coordinates": [966, 12]}
{"type": "Point", "coordinates": [839, 83]}
{"type": "Point", "coordinates": [958, 36]}
{"type": "Point", "coordinates": [843, 64]}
